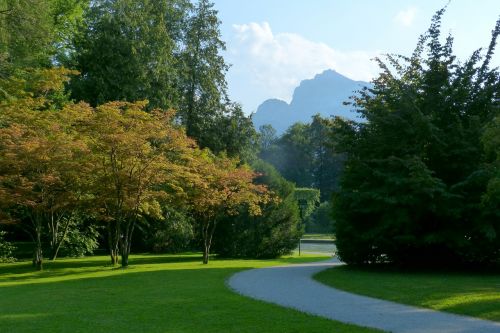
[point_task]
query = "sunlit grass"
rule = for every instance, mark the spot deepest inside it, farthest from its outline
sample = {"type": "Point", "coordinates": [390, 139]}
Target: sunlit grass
{"type": "Point", "coordinates": [318, 236]}
{"type": "Point", "coordinates": [157, 293]}
{"type": "Point", "coordinates": [473, 294]}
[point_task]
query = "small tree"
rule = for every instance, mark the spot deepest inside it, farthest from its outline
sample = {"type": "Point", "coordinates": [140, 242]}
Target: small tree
{"type": "Point", "coordinates": [220, 188]}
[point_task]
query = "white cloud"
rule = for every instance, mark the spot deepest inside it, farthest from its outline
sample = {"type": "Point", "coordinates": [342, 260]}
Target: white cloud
{"type": "Point", "coordinates": [406, 17]}
{"type": "Point", "coordinates": [276, 63]}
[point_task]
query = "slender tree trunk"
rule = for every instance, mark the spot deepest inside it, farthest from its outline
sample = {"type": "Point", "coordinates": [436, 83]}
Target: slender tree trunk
{"type": "Point", "coordinates": [60, 241]}
{"type": "Point", "coordinates": [124, 247]}
{"type": "Point", "coordinates": [208, 233]}
{"type": "Point", "coordinates": [113, 244]}
{"type": "Point", "coordinates": [37, 253]}
{"type": "Point", "coordinates": [126, 242]}
{"type": "Point", "coordinates": [206, 252]}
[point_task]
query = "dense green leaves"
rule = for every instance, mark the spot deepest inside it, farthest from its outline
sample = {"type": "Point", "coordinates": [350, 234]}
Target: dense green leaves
{"type": "Point", "coordinates": [273, 233]}
{"type": "Point", "coordinates": [417, 174]}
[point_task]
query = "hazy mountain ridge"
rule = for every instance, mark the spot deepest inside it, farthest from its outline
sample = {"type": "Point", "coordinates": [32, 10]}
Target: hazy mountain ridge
{"type": "Point", "coordinates": [324, 94]}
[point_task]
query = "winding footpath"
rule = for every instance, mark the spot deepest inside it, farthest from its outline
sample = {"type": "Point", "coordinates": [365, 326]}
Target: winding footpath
{"type": "Point", "coordinates": [293, 286]}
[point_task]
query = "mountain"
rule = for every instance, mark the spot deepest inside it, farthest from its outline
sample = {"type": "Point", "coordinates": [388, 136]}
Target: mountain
{"type": "Point", "coordinates": [324, 94]}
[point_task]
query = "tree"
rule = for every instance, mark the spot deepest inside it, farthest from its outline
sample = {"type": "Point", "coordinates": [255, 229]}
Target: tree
{"type": "Point", "coordinates": [267, 137]}
{"type": "Point", "coordinates": [293, 155]}
{"type": "Point", "coordinates": [305, 154]}
{"type": "Point", "coordinates": [41, 163]}
{"type": "Point", "coordinates": [413, 182]}
{"type": "Point", "coordinates": [274, 233]}
{"type": "Point", "coordinates": [26, 33]}
{"type": "Point", "coordinates": [128, 50]}
{"type": "Point", "coordinates": [326, 162]}
{"type": "Point", "coordinates": [34, 35]}
{"type": "Point", "coordinates": [204, 86]}
{"type": "Point", "coordinates": [136, 158]}
{"type": "Point", "coordinates": [221, 188]}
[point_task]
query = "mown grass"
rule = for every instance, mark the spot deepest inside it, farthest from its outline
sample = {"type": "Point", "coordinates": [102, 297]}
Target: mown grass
{"type": "Point", "coordinates": [467, 293]}
{"type": "Point", "coordinates": [157, 293]}
{"type": "Point", "coordinates": [318, 236]}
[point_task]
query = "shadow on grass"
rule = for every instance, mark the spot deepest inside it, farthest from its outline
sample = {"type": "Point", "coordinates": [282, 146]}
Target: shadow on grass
{"type": "Point", "coordinates": [24, 273]}
{"type": "Point", "coordinates": [182, 300]}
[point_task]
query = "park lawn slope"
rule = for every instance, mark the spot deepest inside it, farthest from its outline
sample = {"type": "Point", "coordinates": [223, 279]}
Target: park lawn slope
{"type": "Point", "coordinates": [472, 294]}
{"type": "Point", "coordinates": [157, 293]}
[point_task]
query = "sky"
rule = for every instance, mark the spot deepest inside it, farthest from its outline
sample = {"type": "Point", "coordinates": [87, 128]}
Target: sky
{"type": "Point", "coordinates": [272, 45]}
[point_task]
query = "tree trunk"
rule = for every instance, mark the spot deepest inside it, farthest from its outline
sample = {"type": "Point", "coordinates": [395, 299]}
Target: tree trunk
{"type": "Point", "coordinates": [206, 252]}
{"type": "Point", "coordinates": [59, 243]}
{"type": "Point", "coordinates": [113, 245]}
{"type": "Point", "coordinates": [37, 253]}
{"type": "Point", "coordinates": [126, 242]}
{"type": "Point", "coordinates": [208, 233]}
{"type": "Point", "coordinates": [124, 259]}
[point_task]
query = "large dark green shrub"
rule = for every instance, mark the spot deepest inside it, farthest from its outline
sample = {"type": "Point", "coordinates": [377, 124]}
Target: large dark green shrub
{"type": "Point", "coordinates": [417, 177]}
{"type": "Point", "coordinates": [276, 232]}
{"type": "Point", "coordinates": [173, 234]}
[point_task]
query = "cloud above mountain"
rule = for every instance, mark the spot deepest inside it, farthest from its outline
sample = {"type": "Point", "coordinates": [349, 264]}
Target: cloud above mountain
{"type": "Point", "coordinates": [406, 17]}
{"type": "Point", "coordinates": [279, 61]}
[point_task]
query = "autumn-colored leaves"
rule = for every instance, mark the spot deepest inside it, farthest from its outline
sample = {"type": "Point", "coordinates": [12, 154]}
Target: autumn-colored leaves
{"type": "Point", "coordinates": [117, 163]}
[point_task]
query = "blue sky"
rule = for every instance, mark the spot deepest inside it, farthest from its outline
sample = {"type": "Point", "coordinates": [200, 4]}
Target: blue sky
{"type": "Point", "coordinates": [274, 44]}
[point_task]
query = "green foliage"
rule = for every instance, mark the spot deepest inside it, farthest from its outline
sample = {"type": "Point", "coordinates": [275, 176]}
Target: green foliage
{"type": "Point", "coordinates": [81, 239]}
{"type": "Point", "coordinates": [166, 52]}
{"type": "Point", "coordinates": [126, 50]}
{"type": "Point", "coordinates": [34, 34]}
{"type": "Point", "coordinates": [321, 220]}
{"type": "Point", "coordinates": [174, 233]}
{"type": "Point", "coordinates": [415, 179]}
{"type": "Point", "coordinates": [292, 155]}
{"type": "Point", "coordinates": [307, 199]}
{"type": "Point", "coordinates": [6, 249]}
{"type": "Point", "coordinates": [274, 233]}
{"type": "Point", "coordinates": [26, 33]}
{"type": "Point", "coordinates": [305, 154]}
{"type": "Point", "coordinates": [203, 81]}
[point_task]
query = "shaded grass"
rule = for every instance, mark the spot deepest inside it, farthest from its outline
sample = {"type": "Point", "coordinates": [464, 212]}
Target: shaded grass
{"type": "Point", "coordinates": [474, 294]}
{"type": "Point", "coordinates": [318, 236]}
{"type": "Point", "coordinates": [157, 293]}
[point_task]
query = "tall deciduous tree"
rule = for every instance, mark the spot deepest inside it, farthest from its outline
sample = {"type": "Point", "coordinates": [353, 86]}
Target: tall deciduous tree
{"type": "Point", "coordinates": [135, 156]}
{"type": "Point", "coordinates": [42, 163]}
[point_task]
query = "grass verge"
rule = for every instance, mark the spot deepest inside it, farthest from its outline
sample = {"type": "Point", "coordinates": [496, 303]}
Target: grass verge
{"type": "Point", "coordinates": [472, 294]}
{"type": "Point", "coordinates": [157, 293]}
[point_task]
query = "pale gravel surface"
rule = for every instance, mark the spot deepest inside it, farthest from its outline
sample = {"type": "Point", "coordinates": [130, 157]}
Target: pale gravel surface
{"type": "Point", "coordinates": [293, 286]}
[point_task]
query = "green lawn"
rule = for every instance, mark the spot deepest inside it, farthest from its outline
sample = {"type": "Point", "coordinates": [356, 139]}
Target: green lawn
{"type": "Point", "coordinates": [158, 293]}
{"type": "Point", "coordinates": [472, 294]}
{"type": "Point", "coordinates": [318, 236]}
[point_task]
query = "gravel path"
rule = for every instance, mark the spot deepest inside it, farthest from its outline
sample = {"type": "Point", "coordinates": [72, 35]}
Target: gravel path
{"type": "Point", "coordinates": [292, 286]}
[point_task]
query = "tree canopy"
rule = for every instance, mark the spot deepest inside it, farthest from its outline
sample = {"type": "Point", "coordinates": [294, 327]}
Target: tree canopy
{"type": "Point", "coordinates": [419, 168]}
